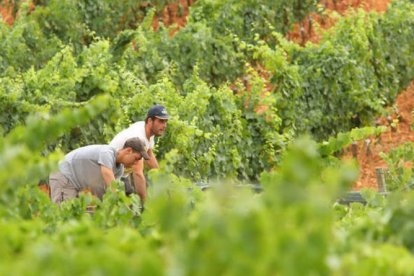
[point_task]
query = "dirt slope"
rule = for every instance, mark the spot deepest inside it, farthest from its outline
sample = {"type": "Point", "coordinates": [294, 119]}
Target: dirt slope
{"type": "Point", "coordinates": [6, 11]}
{"type": "Point", "coordinates": [399, 131]}
{"type": "Point", "coordinates": [312, 27]}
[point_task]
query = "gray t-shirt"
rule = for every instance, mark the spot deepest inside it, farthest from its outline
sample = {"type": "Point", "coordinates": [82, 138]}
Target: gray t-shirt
{"type": "Point", "coordinates": [83, 166]}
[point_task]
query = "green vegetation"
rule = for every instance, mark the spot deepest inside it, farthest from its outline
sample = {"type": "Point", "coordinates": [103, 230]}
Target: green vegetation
{"type": "Point", "coordinates": [75, 72]}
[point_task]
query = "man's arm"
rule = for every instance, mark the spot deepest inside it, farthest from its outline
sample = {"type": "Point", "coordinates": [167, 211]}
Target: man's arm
{"type": "Point", "coordinates": [108, 176]}
{"type": "Point", "coordinates": [139, 180]}
{"type": "Point", "coordinates": [152, 162]}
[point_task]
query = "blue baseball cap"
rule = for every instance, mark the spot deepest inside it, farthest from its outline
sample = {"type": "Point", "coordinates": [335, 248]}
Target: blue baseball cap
{"type": "Point", "coordinates": [158, 111]}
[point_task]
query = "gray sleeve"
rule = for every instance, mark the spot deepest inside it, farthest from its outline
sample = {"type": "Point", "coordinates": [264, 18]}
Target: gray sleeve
{"type": "Point", "coordinates": [106, 158]}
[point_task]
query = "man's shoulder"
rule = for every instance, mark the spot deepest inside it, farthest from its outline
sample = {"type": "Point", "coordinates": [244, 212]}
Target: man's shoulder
{"type": "Point", "coordinates": [136, 130]}
{"type": "Point", "coordinates": [139, 124]}
{"type": "Point", "coordinates": [96, 148]}
{"type": "Point", "coordinates": [90, 152]}
{"type": "Point", "coordinates": [107, 149]}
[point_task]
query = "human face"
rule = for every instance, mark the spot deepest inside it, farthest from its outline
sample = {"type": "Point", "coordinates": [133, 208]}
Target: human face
{"type": "Point", "coordinates": [131, 158]}
{"type": "Point", "coordinates": [158, 126]}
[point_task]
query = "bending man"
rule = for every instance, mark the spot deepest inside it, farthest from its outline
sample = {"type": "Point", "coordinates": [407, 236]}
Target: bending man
{"type": "Point", "coordinates": [94, 167]}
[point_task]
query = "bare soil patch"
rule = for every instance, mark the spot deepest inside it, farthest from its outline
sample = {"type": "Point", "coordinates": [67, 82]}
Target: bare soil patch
{"type": "Point", "coordinates": [311, 29]}
{"type": "Point", "coordinates": [399, 131]}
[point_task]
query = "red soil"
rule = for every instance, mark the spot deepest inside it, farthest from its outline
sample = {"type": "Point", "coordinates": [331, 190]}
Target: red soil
{"type": "Point", "coordinates": [305, 31]}
{"type": "Point", "coordinates": [173, 13]}
{"type": "Point", "coordinates": [368, 156]}
{"type": "Point", "coordinates": [6, 11]}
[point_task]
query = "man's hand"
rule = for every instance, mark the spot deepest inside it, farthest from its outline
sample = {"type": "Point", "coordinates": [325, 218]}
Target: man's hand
{"type": "Point", "coordinates": [152, 162]}
{"type": "Point", "coordinates": [139, 180]}
{"type": "Point", "coordinates": [108, 176]}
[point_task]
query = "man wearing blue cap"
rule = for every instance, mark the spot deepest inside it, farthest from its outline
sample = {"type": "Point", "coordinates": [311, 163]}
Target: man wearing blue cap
{"type": "Point", "coordinates": [155, 124]}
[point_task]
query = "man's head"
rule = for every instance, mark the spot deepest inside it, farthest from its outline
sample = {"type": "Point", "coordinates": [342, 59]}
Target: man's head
{"type": "Point", "coordinates": [157, 118]}
{"type": "Point", "coordinates": [133, 150]}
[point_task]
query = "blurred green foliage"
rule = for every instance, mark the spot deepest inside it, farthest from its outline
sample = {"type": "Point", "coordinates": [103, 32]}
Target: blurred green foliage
{"type": "Point", "coordinates": [76, 72]}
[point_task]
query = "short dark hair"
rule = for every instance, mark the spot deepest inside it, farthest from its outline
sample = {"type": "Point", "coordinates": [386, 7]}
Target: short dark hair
{"type": "Point", "coordinates": [152, 118]}
{"type": "Point", "coordinates": [137, 145]}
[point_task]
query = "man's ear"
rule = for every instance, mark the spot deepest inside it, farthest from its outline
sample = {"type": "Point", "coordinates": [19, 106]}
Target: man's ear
{"type": "Point", "coordinates": [127, 150]}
